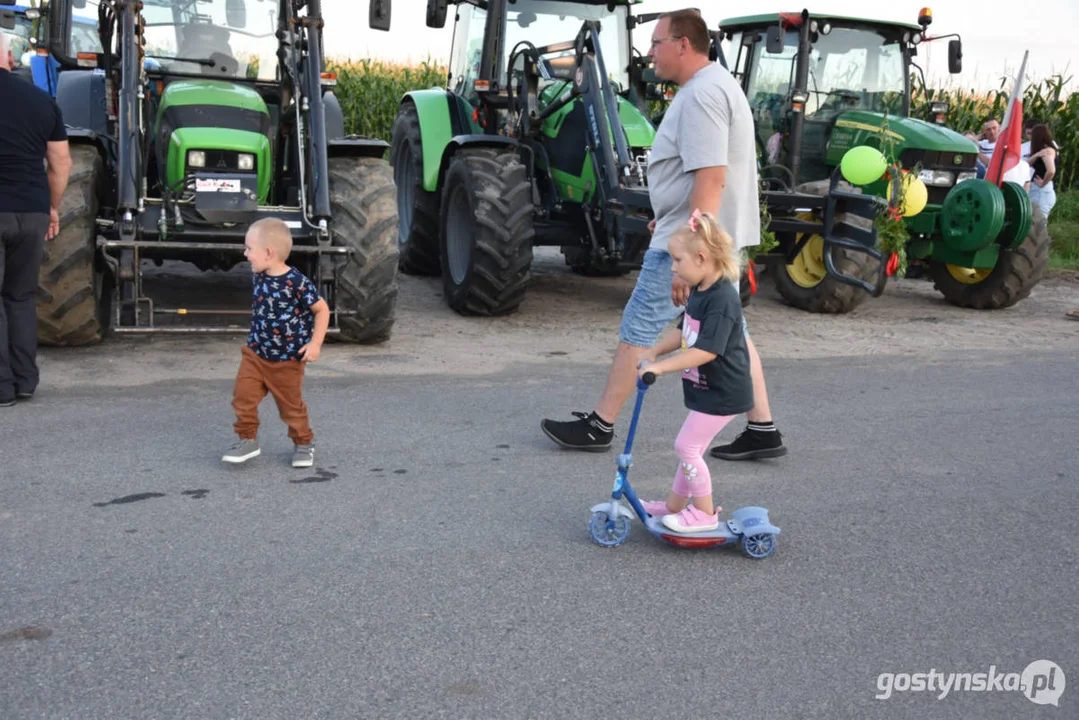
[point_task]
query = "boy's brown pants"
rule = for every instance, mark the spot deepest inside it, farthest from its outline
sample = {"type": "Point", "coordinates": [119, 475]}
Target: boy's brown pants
{"type": "Point", "coordinates": [283, 380]}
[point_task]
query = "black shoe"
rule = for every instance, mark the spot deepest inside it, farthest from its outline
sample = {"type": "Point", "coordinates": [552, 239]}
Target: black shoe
{"type": "Point", "coordinates": [580, 434]}
{"type": "Point", "coordinates": [7, 403]}
{"type": "Point", "coordinates": [23, 396]}
{"type": "Point", "coordinates": [752, 445]}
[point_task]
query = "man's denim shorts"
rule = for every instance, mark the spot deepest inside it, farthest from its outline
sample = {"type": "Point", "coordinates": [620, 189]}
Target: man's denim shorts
{"type": "Point", "coordinates": [650, 309]}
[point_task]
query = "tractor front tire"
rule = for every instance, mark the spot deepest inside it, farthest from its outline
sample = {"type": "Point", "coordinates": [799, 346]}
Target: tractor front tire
{"type": "Point", "coordinates": [365, 220]}
{"type": "Point", "coordinates": [1015, 275]}
{"type": "Point", "coordinates": [417, 209]}
{"type": "Point", "coordinates": [487, 232]}
{"type": "Point", "coordinates": [73, 294]}
{"type": "Point", "coordinates": [805, 284]}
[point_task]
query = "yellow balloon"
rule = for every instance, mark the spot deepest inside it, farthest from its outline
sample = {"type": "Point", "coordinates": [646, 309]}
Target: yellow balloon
{"type": "Point", "coordinates": [913, 194]}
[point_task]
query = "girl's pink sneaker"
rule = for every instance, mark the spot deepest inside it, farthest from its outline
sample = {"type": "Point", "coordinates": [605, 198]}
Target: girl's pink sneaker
{"type": "Point", "coordinates": [655, 508]}
{"type": "Point", "coordinates": [692, 520]}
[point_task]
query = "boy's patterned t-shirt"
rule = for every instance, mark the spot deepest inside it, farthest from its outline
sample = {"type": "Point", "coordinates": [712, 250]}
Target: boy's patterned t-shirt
{"type": "Point", "coordinates": [281, 317]}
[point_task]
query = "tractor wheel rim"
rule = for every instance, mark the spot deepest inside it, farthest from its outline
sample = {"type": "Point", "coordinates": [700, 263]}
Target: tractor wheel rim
{"type": "Point", "coordinates": [459, 235]}
{"type": "Point", "coordinates": [808, 269]}
{"type": "Point", "coordinates": [406, 193]}
{"type": "Point", "coordinates": [969, 276]}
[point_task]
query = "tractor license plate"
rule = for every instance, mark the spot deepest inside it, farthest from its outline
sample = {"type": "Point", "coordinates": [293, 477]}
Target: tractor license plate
{"type": "Point", "coordinates": [217, 185]}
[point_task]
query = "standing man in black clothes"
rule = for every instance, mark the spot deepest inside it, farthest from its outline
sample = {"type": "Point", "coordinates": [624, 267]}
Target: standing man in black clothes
{"type": "Point", "coordinates": [31, 134]}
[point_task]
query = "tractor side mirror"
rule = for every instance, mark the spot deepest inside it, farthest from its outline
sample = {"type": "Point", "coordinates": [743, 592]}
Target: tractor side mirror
{"type": "Point", "coordinates": [955, 56]}
{"type": "Point", "coordinates": [236, 13]}
{"type": "Point", "coordinates": [436, 13]}
{"type": "Point", "coordinates": [774, 42]}
{"type": "Point", "coordinates": [378, 17]}
{"type": "Point", "coordinates": [7, 19]}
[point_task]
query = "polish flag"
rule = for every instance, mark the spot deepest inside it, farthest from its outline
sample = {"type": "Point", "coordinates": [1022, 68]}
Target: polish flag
{"type": "Point", "coordinates": [1009, 145]}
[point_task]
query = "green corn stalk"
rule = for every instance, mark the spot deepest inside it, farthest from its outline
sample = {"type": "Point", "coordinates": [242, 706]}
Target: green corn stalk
{"type": "Point", "coordinates": [370, 92]}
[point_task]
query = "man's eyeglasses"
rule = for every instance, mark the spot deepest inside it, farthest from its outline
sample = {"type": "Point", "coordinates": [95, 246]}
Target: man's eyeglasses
{"type": "Point", "coordinates": [657, 41]}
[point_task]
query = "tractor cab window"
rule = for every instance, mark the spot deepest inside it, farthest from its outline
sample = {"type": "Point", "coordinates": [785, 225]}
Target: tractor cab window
{"type": "Point", "coordinates": [854, 69]}
{"type": "Point", "coordinates": [216, 38]}
{"type": "Point", "coordinates": [768, 92]}
{"type": "Point", "coordinates": [467, 51]}
{"type": "Point", "coordinates": [19, 40]}
{"type": "Point", "coordinates": [542, 22]}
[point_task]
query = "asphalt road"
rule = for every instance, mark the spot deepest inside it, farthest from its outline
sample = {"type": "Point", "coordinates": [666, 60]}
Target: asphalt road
{"type": "Point", "coordinates": [437, 562]}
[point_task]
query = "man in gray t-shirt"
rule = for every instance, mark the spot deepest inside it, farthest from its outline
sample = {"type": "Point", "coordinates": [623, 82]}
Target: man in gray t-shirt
{"type": "Point", "coordinates": [709, 125]}
{"type": "Point", "coordinates": [704, 156]}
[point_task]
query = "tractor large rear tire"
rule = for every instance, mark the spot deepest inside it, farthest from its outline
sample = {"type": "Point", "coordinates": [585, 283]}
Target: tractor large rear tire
{"type": "Point", "coordinates": [1015, 275]}
{"type": "Point", "coordinates": [73, 294]}
{"type": "Point", "coordinates": [827, 295]}
{"type": "Point", "coordinates": [417, 209]}
{"type": "Point", "coordinates": [487, 232]}
{"type": "Point", "coordinates": [365, 219]}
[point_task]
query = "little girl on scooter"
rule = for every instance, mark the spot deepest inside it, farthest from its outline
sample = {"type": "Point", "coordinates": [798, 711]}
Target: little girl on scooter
{"type": "Point", "coordinates": [713, 363]}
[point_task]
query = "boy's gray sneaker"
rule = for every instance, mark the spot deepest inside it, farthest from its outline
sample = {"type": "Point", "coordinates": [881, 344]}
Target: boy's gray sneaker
{"type": "Point", "coordinates": [242, 451]}
{"type": "Point", "coordinates": [303, 456]}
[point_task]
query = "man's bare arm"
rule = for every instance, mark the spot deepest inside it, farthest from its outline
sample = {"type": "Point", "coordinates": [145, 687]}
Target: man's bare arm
{"type": "Point", "coordinates": [58, 156]}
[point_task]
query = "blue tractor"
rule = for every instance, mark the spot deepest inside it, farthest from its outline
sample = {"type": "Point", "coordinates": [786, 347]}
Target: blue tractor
{"type": "Point", "coordinates": [32, 62]}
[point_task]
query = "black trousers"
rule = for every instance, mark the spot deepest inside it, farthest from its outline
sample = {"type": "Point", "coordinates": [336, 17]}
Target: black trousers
{"type": "Point", "coordinates": [22, 244]}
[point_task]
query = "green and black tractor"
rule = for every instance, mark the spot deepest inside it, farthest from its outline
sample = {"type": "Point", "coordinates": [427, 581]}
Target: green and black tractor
{"type": "Point", "coordinates": [191, 120]}
{"type": "Point", "coordinates": [820, 85]}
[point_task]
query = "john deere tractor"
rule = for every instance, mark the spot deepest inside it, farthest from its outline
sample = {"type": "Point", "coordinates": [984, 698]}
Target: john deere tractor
{"type": "Point", "coordinates": [820, 85]}
{"type": "Point", "coordinates": [189, 121]}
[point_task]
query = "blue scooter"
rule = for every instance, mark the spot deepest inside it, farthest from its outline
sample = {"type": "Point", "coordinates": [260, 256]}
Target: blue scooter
{"type": "Point", "coordinates": [609, 526]}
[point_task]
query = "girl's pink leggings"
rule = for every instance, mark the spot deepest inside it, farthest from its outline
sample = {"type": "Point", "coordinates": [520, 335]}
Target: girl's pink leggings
{"type": "Point", "coordinates": [698, 431]}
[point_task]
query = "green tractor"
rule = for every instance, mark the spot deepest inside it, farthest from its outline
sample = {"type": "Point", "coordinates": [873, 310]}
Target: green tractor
{"type": "Point", "coordinates": [538, 140]}
{"type": "Point", "coordinates": [193, 119]}
{"type": "Point", "coordinates": [822, 84]}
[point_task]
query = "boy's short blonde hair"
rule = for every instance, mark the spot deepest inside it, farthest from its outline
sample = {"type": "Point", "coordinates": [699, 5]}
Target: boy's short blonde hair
{"type": "Point", "coordinates": [273, 233]}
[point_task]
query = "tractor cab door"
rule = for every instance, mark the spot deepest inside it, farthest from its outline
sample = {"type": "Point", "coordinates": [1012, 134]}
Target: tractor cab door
{"type": "Point", "coordinates": [767, 80]}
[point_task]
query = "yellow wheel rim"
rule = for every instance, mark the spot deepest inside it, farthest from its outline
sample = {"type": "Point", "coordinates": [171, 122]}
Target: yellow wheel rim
{"type": "Point", "coordinates": [969, 276]}
{"type": "Point", "coordinates": [808, 269]}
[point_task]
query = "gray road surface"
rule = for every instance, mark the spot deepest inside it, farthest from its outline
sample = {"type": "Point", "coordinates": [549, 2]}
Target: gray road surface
{"type": "Point", "coordinates": [437, 563]}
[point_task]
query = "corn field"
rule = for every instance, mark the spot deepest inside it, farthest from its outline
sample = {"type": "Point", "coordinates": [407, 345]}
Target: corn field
{"type": "Point", "coordinates": [370, 90]}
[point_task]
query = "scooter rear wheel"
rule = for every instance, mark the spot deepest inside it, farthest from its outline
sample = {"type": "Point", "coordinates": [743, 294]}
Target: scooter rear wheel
{"type": "Point", "coordinates": [607, 532]}
{"type": "Point", "coordinates": [760, 546]}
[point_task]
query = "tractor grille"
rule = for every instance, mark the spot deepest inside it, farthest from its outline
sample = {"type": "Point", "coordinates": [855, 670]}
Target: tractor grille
{"type": "Point", "coordinates": [938, 160]}
{"type": "Point", "coordinates": [223, 161]}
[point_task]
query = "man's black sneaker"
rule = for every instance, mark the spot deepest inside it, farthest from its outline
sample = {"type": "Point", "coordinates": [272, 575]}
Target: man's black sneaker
{"type": "Point", "coordinates": [7, 403]}
{"type": "Point", "coordinates": [23, 396]}
{"type": "Point", "coordinates": [581, 434]}
{"type": "Point", "coordinates": [752, 445]}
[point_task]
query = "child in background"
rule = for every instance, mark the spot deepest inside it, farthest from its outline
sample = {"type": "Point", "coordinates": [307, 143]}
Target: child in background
{"type": "Point", "coordinates": [714, 364]}
{"type": "Point", "coordinates": [288, 325]}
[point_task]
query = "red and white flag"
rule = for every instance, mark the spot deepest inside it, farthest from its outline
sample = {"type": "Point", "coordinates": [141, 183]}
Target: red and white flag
{"type": "Point", "coordinates": [1009, 145]}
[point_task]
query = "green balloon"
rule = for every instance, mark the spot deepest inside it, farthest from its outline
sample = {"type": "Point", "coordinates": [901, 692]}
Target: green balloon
{"type": "Point", "coordinates": [862, 165]}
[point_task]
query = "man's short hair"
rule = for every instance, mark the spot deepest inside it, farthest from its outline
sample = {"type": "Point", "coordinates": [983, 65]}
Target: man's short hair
{"type": "Point", "coordinates": [274, 233]}
{"type": "Point", "coordinates": [4, 48]}
{"type": "Point", "coordinates": [689, 24]}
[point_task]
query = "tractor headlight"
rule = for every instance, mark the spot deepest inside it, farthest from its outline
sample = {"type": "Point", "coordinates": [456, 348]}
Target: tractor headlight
{"type": "Point", "coordinates": [938, 178]}
{"type": "Point", "coordinates": [246, 161]}
{"type": "Point", "coordinates": [964, 176]}
{"type": "Point", "coordinates": [196, 158]}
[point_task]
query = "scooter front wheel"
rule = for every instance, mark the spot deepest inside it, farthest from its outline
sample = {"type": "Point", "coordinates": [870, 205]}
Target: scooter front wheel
{"type": "Point", "coordinates": [760, 546]}
{"type": "Point", "coordinates": [608, 532]}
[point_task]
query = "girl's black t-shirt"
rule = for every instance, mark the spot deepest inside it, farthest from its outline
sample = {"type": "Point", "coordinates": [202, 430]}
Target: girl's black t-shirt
{"type": "Point", "coordinates": [713, 323]}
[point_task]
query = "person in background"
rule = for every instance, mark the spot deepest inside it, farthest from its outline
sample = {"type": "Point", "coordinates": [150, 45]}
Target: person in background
{"type": "Point", "coordinates": [987, 143]}
{"type": "Point", "coordinates": [1043, 155]}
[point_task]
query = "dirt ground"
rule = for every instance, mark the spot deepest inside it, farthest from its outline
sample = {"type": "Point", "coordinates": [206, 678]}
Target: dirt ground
{"type": "Point", "coordinates": [568, 319]}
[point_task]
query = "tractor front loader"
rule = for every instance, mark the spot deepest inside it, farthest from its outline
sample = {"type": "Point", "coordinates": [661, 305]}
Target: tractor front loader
{"type": "Point", "coordinates": [193, 119]}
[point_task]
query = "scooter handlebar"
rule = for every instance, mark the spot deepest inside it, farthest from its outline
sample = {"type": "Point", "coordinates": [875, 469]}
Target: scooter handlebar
{"type": "Point", "coordinates": [648, 378]}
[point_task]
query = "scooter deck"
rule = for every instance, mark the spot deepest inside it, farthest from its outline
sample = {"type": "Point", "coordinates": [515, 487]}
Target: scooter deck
{"type": "Point", "coordinates": [708, 538]}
